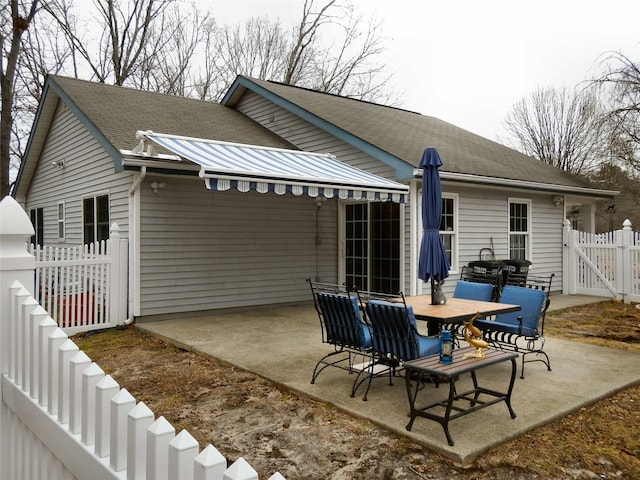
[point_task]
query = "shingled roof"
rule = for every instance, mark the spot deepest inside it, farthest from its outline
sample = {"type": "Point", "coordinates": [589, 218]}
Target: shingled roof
{"type": "Point", "coordinates": [118, 112]}
{"type": "Point", "coordinates": [405, 134]}
{"type": "Point", "coordinates": [393, 135]}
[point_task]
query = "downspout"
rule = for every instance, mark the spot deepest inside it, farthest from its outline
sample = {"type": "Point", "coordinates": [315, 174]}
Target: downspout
{"type": "Point", "coordinates": [413, 240]}
{"type": "Point", "coordinates": [134, 245]}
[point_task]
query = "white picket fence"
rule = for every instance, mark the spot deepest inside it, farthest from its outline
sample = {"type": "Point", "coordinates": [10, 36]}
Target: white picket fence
{"type": "Point", "coordinates": [604, 264]}
{"type": "Point", "coordinates": [83, 287]}
{"type": "Point", "coordinates": [61, 416]}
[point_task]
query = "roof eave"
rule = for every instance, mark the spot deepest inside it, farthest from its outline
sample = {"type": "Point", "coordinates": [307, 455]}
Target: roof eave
{"type": "Point", "coordinates": [522, 184]}
{"type": "Point", "coordinates": [52, 93]}
{"type": "Point", "coordinates": [41, 122]}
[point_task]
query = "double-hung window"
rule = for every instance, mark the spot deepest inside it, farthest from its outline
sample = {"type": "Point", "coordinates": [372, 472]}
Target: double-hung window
{"type": "Point", "coordinates": [519, 229]}
{"type": "Point", "coordinates": [448, 228]}
{"type": "Point", "coordinates": [95, 219]}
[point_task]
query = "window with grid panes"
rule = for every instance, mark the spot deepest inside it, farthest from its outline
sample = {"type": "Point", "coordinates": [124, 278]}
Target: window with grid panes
{"type": "Point", "coordinates": [519, 225]}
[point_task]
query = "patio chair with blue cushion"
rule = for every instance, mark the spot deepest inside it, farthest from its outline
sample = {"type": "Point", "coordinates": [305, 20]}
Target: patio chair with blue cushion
{"type": "Point", "coordinates": [343, 328]}
{"type": "Point", "coordinates": [521, 331]}
{"type": "Point", "coordinates": [471, 291]}
{"type": "Point", "coordinates": [394, 335]}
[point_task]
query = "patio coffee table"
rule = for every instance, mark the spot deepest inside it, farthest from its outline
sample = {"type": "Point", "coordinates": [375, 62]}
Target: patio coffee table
{"type": "Point", "coordinates": [417, 370]}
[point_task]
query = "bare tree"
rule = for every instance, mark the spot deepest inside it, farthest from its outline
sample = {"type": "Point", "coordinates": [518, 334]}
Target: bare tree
{"type": "Point", "coordinates": [16, 19]}
{"type": "Point", "coordinates": [558, 127]}
{"type": "Point", "coordinates": [620, 84]}
{"type": "Point", "coordinates": [327, 51]}
{"type": "Point", "coordinates": [157, 45]}
{"type": "Point", "coordinates": [128, 41]}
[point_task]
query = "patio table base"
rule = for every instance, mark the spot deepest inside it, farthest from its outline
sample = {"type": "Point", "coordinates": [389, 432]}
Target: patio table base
{"type": "Point", "coordinates": [430, 366]}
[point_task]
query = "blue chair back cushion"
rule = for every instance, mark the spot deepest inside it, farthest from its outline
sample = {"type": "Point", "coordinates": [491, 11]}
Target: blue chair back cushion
{"type": "Point", "coordinates": [394, 331]}
{"type": "Point", "coordinates": [343, 323]}
{"type": "Point", "coordinates": [531, 302]}
{"type": "Point", "coordinates": [473, 291]}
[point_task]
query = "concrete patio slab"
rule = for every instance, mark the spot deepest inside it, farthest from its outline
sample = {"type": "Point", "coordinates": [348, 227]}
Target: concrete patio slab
{"type": "Point", "coordinates": [283, 344]}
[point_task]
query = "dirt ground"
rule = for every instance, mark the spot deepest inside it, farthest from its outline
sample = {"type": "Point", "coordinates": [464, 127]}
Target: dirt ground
{"type": "Point", "coordinates": [277, 431]}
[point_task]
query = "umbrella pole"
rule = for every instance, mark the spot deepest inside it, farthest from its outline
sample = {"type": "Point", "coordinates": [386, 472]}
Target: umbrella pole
{"type": "Point", "coordinates": [433, 291]}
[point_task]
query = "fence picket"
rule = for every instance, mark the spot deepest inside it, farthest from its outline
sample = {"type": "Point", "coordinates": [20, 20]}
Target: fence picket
{"type": "Point", "coordinates": [159, 436]}
{"type": "Point", "coordinates": [56, 339]}
{"type": "Point", "coordinates": [78, 364]}
{"type": "Point", "coordinates": [210, 464]}
{"type": "Point", "coordinates": [91, 376]}
{"type": "Point", "coordinates": [106, 389]}
{"type": "Point", "coordinates": [183, 450]}
{"type": "Point", "coordinates": [139, 420]}
{"type": "Point", "coordinates": [47, 327]}
{"type": "Point", "coordinates": [65, 353]}
{"type": "Point", "coordinates": [121, 404]}
{"type": "Point", "coordinates": [38, 315]}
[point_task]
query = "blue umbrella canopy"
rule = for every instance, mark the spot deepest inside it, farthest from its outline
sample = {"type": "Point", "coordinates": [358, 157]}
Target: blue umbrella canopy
{"type": "Point", "coordinates": [433, 263]}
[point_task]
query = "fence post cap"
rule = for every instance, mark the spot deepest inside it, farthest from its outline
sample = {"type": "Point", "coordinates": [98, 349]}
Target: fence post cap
{"type": "Point", "coordinates": [14, 220]}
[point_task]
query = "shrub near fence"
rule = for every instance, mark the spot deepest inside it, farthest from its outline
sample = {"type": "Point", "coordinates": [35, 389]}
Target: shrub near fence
{"type": "Point", "coordinates": [61, 416]}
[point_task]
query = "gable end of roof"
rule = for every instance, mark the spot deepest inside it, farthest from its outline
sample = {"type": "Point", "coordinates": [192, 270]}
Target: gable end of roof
{"type": "Point", "coordinates": [404, 170]}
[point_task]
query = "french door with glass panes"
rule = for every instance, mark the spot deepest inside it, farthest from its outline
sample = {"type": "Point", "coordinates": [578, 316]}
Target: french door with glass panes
{"type": "Point", "coordinates": [372, 246]}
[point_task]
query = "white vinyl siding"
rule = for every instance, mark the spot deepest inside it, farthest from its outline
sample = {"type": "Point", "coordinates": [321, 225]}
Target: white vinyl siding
{"type": "Point", "coordinates": [87, 170]}
{"type": "Point", "coordinates": [203, 250]}
{"type": "Point", "coordinates": [308, 137]}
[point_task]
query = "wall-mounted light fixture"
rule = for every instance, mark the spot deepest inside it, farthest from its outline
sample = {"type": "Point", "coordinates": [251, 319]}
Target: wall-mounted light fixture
{"type": "Point", "coordinates": [557, 200]}
{"type": "Point", "coordinates": [58, 163]}
{"type": "Point", "coordinates": [318, 201]}
{"type": "Point", "coordinates": [157, 186]}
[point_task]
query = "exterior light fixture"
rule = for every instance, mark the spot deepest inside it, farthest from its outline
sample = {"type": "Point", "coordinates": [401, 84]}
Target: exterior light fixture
{"type": "Point", "coordinates": [157, 186]}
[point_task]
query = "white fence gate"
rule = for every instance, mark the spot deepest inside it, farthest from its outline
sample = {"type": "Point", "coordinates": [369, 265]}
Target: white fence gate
{"type": "Point", "coordinates": [604, 264]}
{"type": "Point", "coordinates": [83, 287]}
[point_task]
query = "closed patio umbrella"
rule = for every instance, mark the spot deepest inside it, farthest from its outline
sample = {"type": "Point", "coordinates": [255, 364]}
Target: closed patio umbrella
{"type": "Point", "coordinates": [433, 263]}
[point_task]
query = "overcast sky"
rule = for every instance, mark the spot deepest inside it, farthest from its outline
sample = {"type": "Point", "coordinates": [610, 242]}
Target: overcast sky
{"type": "Point", "coordinates": [468, 61]}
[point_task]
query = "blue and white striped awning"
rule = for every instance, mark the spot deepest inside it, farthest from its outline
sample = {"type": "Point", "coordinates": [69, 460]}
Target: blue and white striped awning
{"type": "Point", "coordinates": [248, 167]}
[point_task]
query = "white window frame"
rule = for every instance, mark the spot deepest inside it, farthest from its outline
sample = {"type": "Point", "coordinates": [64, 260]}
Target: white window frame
{"type": "Point", "coordinates": [527, 232]}
{"type": "Point", "coordinates": [454, 233]}
{"type": "Point", "coordinates": [61, 212]}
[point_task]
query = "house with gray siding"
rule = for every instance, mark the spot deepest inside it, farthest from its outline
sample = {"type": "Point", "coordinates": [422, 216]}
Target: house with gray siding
{"type": "Point", "coordinates": [235, 203]}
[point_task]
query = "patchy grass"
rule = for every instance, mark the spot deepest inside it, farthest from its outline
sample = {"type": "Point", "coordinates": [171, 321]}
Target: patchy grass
{"type": "Point", "coordinates": [243, 414]}
{"type": "Point", "coordinates": [608, 324]}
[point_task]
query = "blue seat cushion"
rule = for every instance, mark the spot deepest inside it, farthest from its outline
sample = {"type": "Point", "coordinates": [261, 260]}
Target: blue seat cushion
{"type": "Point", "coordinates": [531, 303]}
{"type": "Point", "coordinates": [364, 334]}
{"type": "Point", "coordinates": [427, 345]}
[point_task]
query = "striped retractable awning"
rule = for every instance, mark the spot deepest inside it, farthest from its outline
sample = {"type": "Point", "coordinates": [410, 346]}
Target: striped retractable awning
{"type": "Point", "coordinates": [248, 167]}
